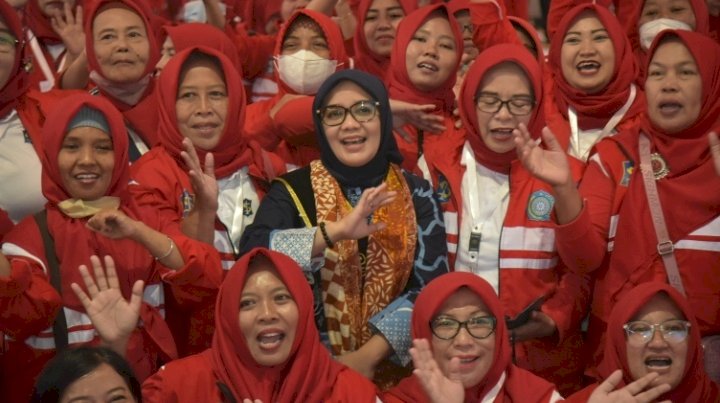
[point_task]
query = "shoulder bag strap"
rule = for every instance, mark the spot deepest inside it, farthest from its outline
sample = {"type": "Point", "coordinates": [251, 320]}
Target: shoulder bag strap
{"type": "Point", "coordinates": [60, 331]}
{"type": "Point", "coordinates": [665, 246]}
{"type": "Point", "coordinates": [296, 200]}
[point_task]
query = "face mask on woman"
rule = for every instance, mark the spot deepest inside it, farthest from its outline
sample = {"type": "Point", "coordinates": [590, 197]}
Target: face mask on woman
{"type": "Point", "coordinates": [304, 71]}
{"type": "Point", "coordinates": [650, 29]}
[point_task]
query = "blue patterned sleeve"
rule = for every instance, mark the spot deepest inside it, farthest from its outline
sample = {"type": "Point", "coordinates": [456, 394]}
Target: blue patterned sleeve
{"type": "Point", "coordinates": [296, 243]}
{"type": "Point", "coordinates": [431, 261]}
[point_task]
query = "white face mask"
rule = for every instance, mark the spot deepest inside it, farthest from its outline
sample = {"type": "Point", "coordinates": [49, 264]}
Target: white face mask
{"type": "Point", "coordinates": [194, 11]}
{"type": "Point", "coordinates": [304, 71]}
{"type": "Point", "coordinates": [650, 29]}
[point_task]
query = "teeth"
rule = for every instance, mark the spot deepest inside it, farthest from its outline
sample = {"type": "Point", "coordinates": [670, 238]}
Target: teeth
{"type": "Point", "coordinates": [467, 360]}
{"type": "Point", "coordinates": [658, 362]}
{"type": "Point", "coordinates": [588, 66]}
{"type": "Point", "coordinates": [270, 338]}
{"type": "Point", "coordinates": [427, 66]}
{"type": "Point", "coordinates": [354, 141]}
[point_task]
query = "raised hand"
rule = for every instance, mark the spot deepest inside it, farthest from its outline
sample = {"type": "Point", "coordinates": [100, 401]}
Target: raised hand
{"type": "Point", "coordinates": [355, 225]}
{"type": "Point", "coordinates": [540, 325]}
{"type": "Point", "coordinates": [113, 224]}
{"type": "Point", "coordinates": [438, 386]}
{"type": "Point", "coordinates": [69, 27]}
{"type": "Point", "coordinates": [114, 317]}
{"type": "Point", "coordinates": [416, 115]}
{"type": "Point", "coordinates": [632, 393]}
{"type": "Point", "coordinates": [203, 181]}
{"type": "Point", "coordinates": [715, 149]}
{"type": "Point", "coordinates": [549, 165]}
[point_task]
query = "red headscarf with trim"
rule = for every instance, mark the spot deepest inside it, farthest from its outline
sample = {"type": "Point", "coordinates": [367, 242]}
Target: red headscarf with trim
{"type": "Point", "coordinates": [74, 242]}
{"type": "Point", "coordinates": [594, 110]}
{"type": "Point", "coordinates": [488, 59]}
{"type": "Point", "coordinates": [365, 59]}
{"type": "Point", "coordinates": [530, 30]}
{"type": "Point", "coordinates": [399, 85]}
{"type": "Point", "coordinates": [692, 182]}
{"type": "Point", "coordinates": [232, 151]}
{"type": "Point", "coordinates": [142, 115]}
{"type": "Point", "coordinates": [333, 36]}
{"type": "Point", "coordinates": [309, 373]}
{"type": "Point", "coordinates": [695, 385]}
{"type": "Point", "coordinates": [18, 82]}
{"type": "Point", "coordinates": [519, 385]}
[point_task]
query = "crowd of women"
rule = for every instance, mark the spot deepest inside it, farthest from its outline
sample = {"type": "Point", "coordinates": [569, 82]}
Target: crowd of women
{"type": "Point", "coordinates": [373, 200]}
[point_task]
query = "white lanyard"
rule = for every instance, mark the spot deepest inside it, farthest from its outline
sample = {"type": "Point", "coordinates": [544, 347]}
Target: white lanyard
{"type": "Point", "coordinates": [473, 193]}
{"type": "Point", "coordinates": [139, 143]}
{"type": "Point", "coordinates": [49, 82]}
{"type": "Point", "coordinates": [609, 127]}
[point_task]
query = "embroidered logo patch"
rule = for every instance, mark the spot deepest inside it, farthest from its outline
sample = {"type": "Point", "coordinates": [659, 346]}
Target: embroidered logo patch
{"type": "Point", "coordinates": [540, 206]}
{"type": "Point", "coordinates": [247, 208]}
{"type": "Point", "coordinates": [627, 172]}
{"type": "Point", "coordinates": [443, 190]}
{"type": "Point", "coordinates": [26, 137]}
{"type": "Point", "coordinates": [188, 201]}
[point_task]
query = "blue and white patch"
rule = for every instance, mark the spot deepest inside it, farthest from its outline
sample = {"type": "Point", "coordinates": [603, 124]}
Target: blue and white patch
{"type": "Point", "coordinates": [247, 208]}
{"type": "Point", "coordinates": [442, 193]}
{"type": "Point", "coordinates": [188, 202]}
{"type": "Point", "coordinates": [540, 206]}
{"type": "Point", "coordinates": [627, 172]}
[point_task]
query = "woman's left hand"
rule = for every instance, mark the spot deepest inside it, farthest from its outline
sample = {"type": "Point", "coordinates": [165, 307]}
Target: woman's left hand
{"type": "Point", "coordinates": [439, 387]}
{"type": "Point", "coordinates": [69, 27]}
{"type": "Point", "coordinates": [419, 116]}
{"type": "Point", "coordinates": [113, 224]}
{"type": "Point", "coordinates": [540, 325]}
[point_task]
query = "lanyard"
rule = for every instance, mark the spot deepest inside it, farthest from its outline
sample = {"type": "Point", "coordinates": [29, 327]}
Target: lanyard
{"type": "Point", "coordinates": [575, 148]}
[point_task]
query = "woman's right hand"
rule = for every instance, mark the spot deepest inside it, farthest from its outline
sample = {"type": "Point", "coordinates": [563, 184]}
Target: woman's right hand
{"type": "Point", "coordinates": [203, 181]}
{"type": "Point", "coordinates": [549, 165]}
{"type": "Point", "coordinates": [438, 386]}
{"type": "Point", "coordinates": [636, 392]}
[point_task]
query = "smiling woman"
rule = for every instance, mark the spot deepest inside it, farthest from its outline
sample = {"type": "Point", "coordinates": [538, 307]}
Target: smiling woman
{"type": "Point", "coordinates": [265, 347]}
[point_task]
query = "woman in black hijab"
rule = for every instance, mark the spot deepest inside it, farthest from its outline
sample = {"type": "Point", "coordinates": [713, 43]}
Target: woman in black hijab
{"type": "Point", "coordinates": [368, 235]}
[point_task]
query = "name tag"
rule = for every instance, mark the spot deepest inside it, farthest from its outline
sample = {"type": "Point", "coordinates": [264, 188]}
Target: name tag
{"type": "Point", "coordinates": [474, 244]}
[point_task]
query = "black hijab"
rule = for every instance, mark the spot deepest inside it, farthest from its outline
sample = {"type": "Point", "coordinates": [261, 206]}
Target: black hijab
{"type": "Point", "coordinates": [372, 173]}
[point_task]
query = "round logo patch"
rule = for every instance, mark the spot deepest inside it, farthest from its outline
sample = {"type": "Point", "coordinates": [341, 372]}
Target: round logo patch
{"type": "Point", "coordinates": [540, 206]}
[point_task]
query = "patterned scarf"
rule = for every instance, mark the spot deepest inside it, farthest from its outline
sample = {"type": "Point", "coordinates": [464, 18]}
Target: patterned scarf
{"type": "Point", "coordinates": [352, 294]}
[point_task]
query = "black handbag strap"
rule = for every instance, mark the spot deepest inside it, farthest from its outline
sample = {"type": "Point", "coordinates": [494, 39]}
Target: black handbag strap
{"type": "Point", "coordinates": [60, 331]}
{"type": "Point", "coordinates": [227, 394]}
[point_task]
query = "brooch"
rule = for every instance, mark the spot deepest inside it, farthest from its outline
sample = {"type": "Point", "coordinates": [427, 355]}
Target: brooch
{"type": "Point", "coordinates": [659, 166]}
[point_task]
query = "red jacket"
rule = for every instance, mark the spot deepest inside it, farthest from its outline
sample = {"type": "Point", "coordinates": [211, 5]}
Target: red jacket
{"type": "Point", "coordinates": [529, 266]}
{"type": "Point", "coordinates": [191, 379]}
{"type": "Point", "coordinates": [588, 244]}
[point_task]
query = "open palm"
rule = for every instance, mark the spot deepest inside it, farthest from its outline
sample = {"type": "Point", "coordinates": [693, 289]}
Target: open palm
{"type": "Point", "coordinates": [549, 164]}
{"type": "Point", "coordinates": [111, 314]}
{"type": "Point", "coordinates": [439, 387]}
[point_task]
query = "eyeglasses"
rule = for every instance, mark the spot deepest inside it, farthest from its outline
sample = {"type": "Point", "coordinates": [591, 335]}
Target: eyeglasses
{"type": "Point", "coordinates": [639, 332]}
{"type": "Point", "coordinates": [516, 106]}
{"type": "Point", "coordinates": [479, 327]}
{"type": "Point", "coordinates": [7, 42]}
{"type": "Point", "coordinates": [334, 115]}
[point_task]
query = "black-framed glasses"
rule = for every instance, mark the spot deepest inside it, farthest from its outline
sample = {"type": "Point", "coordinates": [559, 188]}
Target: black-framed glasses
{"type": "Point", "coordinates": [674, 331]}
{"type": "Point", "coordinates": [362, 111]}
{"type": "Point", "coordinates": [479, 327]}
{"type": "Point", "coordinates": [516, 106]}
{"type": "Point", "coordinates": [8, 42]}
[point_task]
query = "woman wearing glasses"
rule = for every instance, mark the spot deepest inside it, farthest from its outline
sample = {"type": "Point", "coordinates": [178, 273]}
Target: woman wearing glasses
{"type": "Point", "coordinates": [461, 343]}
{"type": "Point", "coordinates": [653, 329]}
{"type": "Point", "coordinates": [367, 235]}
{"type": "Point", "coordinates": [499, 218]}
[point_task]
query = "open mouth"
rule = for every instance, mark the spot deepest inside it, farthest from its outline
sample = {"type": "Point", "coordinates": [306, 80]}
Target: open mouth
{"type": "Point", "coordinates": [269, 340]}
{"type": "Point", "coordinates": [670, 107]}
{"type": "Point", "coordinates": [86, 178]}
{"type": "Point", "coordinates": [503, 134]}
{"type": "Point", "coordinates": [428, 66]}
{"type": "Point", "coordinates": [205, 128]}
{"type": "Point", "coordinates": [351, 141]}
{"type": "Point", "coordinates": [588, 66]}
{"type": "Point", "coordinates": [658, 363]}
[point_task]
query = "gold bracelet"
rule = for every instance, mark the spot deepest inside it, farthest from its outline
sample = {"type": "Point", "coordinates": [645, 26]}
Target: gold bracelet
{"type": "Point", "coordinates": [170, 250]}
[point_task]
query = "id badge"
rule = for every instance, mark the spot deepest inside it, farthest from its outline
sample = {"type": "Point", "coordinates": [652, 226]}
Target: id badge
{"type": "Point", "coordinates": [474, 244]}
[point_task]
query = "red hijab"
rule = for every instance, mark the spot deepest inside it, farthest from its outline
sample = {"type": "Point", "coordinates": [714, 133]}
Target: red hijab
{"type": "Point", "coordinates": [488, 59]}
{"type": "Point", "coordinates": [308, 375]}
{"type": "Point", "coordinates": [366, 59]}
{"type": "Point", "coordinates": [529, 29]}
{"type": "Point", "coordinates": [695, 385]}
{"type": "Point", "coordinates": [39, 24]}
{"type": "Point", "coordinates": [232, 151]}
{"type": "Point", "coordinates": [399, 85]}
{"type": "Point", "coordinates": [18, 81]}
{"type": "Point", "coordinates": [595, 109]}
{"type": "Point", "coordinates": [519, 385]}
{"type": "Point", "coordinates": [629, 12]}
{"type": "Point", "coordinates": [197, 34]}
{"type": "Point", "coordinates": [142, 115]}
{"type": "Point", "coordinates": [692, 182]}
{"type": "Point", "coordinates": [332, 34]}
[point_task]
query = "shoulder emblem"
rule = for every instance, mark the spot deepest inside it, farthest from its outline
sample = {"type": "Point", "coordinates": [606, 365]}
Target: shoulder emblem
{"type": "Point", "coordinates": [540, 206]}
{"type": "Point", "coordinates": [442, 193]}
{"type": "Point", "coordinates": [628, 168]}
{"type": "Point", "coordinates": [188, 201]}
